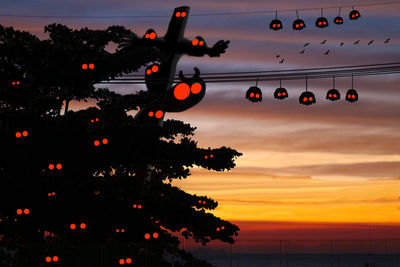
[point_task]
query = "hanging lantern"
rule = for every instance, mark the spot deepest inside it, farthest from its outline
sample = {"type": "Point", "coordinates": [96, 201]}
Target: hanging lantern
{"type": "Point", "coordinates": [276, 24]}
{"type": "Point", "coordinates": [354, 14]}
{"type": "Point", "coordinates": [338, 20]}
{"type": "Point", "coordinates": [281, 93]}
{"type": "Point", "coordinates": [333, 94]}
{"type": "Point", "coordinates": [298, 24]}
{"type": "Point", "coordinates": [321, 22]}
{"type": "Point", "coordinates": [352, 95]}
{"type": "Point", "coordinates": [307, 98]}
{"type": "Point", "coordinates": [150, 34]}
{"type": "Point", "coordinates": [254, 93]}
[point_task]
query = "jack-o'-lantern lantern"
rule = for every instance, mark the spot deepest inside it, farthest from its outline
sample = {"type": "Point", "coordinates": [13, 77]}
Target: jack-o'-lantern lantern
{"type": "Point", "coordinates": [254, 94]}
{"type": "Point", "coordinates": [276, 24]}
{"type": "Point", "coordinates": [338, 20]}
{"type": "Point", "coordinates": [351, 96]}
{"type": "Point", "coordinates": [281, 93]}
{"type": "Point", "coordinates": [199, 42]}
{"type": "Point", "coordinates": [321, 22]}
{"type": "Point", "coordinates": [307, 98]}
{"type": "Point", "coordinates": [150, 35]}
{"type": "Point", "coordinates": [354, 14]}
{"type": "Point", "coordinates": [333, 94]}
{"type": "Point", "coordinates": [298, 24]}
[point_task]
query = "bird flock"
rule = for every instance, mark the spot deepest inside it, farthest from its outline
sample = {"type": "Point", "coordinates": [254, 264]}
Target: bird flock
{"type": "Point", "coordinates": [282, 59]}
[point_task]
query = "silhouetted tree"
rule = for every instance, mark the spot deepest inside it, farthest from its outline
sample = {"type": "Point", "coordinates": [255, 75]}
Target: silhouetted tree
{"type": "Point", "coordinates": [72, 186]}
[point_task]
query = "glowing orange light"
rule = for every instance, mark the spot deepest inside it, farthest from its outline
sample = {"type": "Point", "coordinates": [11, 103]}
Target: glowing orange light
{"type": "Point", "coordinates": [310, 98]}
{"type": "Point", "coordinates": [151, 114]}
{"type": "Point", "coordinates": [154, 68]}
{"type": "Point", "coordinates": [105, 141]}
{"type": "Point", "coordinates": [297, 25]}
{"type": "Point", "coordinates": [128, 260]}
{"type": "Point", "coordinates": [354, 97]}
{"type": "Point", "coordinates": [48, 259]}
{"type": "Point", "coordinates": [49, 194]}
{"type": "Point", "coordinates": [134, 206]}
{"type": "Point", "coordinates": [155, 235]}
{"type": "Point", "coordinates": [83, 225]}
{"type": "Point", "coordinates": [279, 25]}
{"type": "Point", "coordinates": [53, 193]}
{"type": "Point", "coordinates": [251, 94]}
{"type": "Point", "coordinates": [222, 227]}
{"type": "Point", "coordinates": [97, 119]}
{"type": "Point", "coordinates": [205, 157]}
{"type": "Point", "coordinates": [211, 156]}
{"type": "Point", "coordinates": [96, 143]}
{"type": "Point", "coordinates": [91, 66]}
{"type": "Point", "coordinates": [183, 14]}
{"type": "Point", "coordinates": [72, 226]}
{"type": "Point", "coordinates": [13, 83]}
{"type": "Point", "coordinates": [320, 23]}
{"type": "Point", "coordinates": [330, 95]}
{"type": "Point", "coordinates": [91, 121]}
{"type": "Point", "coordinates": [348, 96]}
{"type": "Point", "coordinates": [257, 95]}
{"type": "Point", "coordinates": [153, 35]}
{"type": "Point", "coordinates": [17, 82]}
{"type": "Point", "coordinates": [26, 211]}
{"type": "Point", "coordinates": [18, 134]}
{"type": "Point", "coordinates": [218, 229]}
{"type": "Point", "coordinates": [19, 211]}
{"type": "Point", "coordinates": [25, 133]}
{"type": "Point", "coordinates": [195, 42]}
{"type": "Point", "coordinates": [147, 236]}
{"type": "Point", "coordinates": [195, 88]}
{"type": "Point", "coordinates": [147, 36]}
{"type": "Point", "coordinates": [84, 66]}
{"type": "Point", "coordinates": [304, 99]}
{"type": "Point", "coordinates": [324, 22]}
{"type": "Point", "coordinates": [51, 166]}
{"type": "Point", "coordinates": [334, 95]}
{"type": "Point", "coordinates": [159, 114]}
{"type": "Point", "coordinates": [122, 261]}
{"type": "Point", "coordinates": [117, 230]}
{"type": "Point", "coordinates": [204, 202]}
{"type": "Point", "coordinates": [55, 258]}
{"type": "Point", "coordinates": [122, 230]}
{"type": "Point", "coordinates": [273, 25]}
{"type": "Point", "coordinates": [279, 94]}
{"type": "Point", "coordinates": [139, 206]}
{"type": "Point", "coordinates": [178, 14]}
{"type": "Point", "coordinates": [199, 201]}
{"type": "Point", "coordinates": [283, 93]}
{"type": "Point", "coordinates": [148, 72]}
{"type": "Point", "coordinates": [301, 24]}
{"type": "Point", "coordinates": [201, 42]}
{"type": "Point", "coordinates": [59, 166]}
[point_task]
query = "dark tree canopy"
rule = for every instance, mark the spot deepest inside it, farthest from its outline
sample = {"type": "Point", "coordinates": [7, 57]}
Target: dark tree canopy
{"type": "Point", "coordinates": [86, 169]}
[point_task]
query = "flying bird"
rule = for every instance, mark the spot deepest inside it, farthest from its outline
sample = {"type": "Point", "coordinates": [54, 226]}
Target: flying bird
{"type": "Point", "coordinates": [323, 42]}
{"type": "Point", "coordinates": [341, 44]}
{"type": "Point", "coordinates": [356, 42]}
{"type": "Point", "coordinates": [387, 41]}
{"type": "Point", "coordinates": [370, 42]}
{"type": "Point", "coordinates": [306, 44]}
{"type": "Point", "coordinates": [302, 52]}
{"type": "Point", "coordinates": [278, 56]}
{"type": "Point", "coordinates": [327, 52]}
{"type": "Point", "coordinates": [281, 61]}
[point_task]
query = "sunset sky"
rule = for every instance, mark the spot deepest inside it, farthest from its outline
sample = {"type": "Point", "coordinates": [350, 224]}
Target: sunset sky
{"type": "Point", "coordinates": [330, 166]}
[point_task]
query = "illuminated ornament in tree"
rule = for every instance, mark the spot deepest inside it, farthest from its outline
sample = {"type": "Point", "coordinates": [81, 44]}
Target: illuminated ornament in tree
{"type": "Point", "coordinates": [298, 24]}
{"type": "Point", "coordinates": [321, 22]}
{"type": "Point", "coordinates": [276, 24]}
{"type": "Point", "coordinates": [254, 94]}
{"type": "Point", "coordinates": [333, 94]}
{"type": "Point", "coordinates": [354, 14]}
{"type": "Point", "coordinates": [198, 42]}
{"type": "Point", "coordinates": [307, 98]}
{"type": "Point", "coordinates": [352, 95]}
{"type": "Point", "coordinates": [150, 35]}
{"type": "Point", "coordinates": [281, 93]}
{"type": "Point", "coordinates": [338, 20]}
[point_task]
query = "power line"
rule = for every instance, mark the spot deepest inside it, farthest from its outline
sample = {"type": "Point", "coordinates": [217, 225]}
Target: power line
{"type": "Point", "coordinates": [200, 14]}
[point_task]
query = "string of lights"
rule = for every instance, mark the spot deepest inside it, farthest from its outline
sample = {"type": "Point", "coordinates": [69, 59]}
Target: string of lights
{"type": "Point", "coordinates": [201, 14]}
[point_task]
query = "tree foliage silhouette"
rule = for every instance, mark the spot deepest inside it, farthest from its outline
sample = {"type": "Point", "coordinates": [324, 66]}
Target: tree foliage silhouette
{"type": "Point", "coordinates": [74, 179]}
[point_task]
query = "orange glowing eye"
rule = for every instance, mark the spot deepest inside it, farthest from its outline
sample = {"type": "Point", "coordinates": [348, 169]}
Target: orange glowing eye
{"type": "Point", "coordinates": [155, 235]}
{"type": "Point", "coordinates": [257, 96]}
{"type": "Point", "coordinates": [348, 96]}
{"type": "Point", "coordinates": [91, 66]}
{"type": "Point", "coordinates": [201, 42]}
{"type": "Point", "coordinates": [354, 97]}
{"type": "Point", "coordinates": [148, 72]}
{"type": "Point", "coordinates": [51, 166]}
{"type": "Point", "coordinates": [297, 25]}
{"type": "Point", "coordinates": [13, 83]}
{"type": "Point", "coordinates": [178, 14]}
{"type": "Point", "coordinates": [122, 261]}
{"type": "Point", "coordinates": [310, 98]}
{"type": "Point", "coordinates": [128, 260]}
{"type": "Point", "coordinates": [301, 24]}
{"type": "Point", "coordinates": [159, 114]}
{"type": "Point", "coordinates": [105, 141]}
{"type": "Point", "coordinates": [320, 23]}
{"type": "Point", "coordinates": [251, 94]}
{"type": "Point", "coordinates": [84, 66]}
{"type": "Point", "coordinates": [195, 88]}
{"type": "Point", "coordinates": [19, 211]}
{"type": "Point", "coordinates": [117, 230]}
{"type": "Point", "coordinates": [134, 206]}
{"type": "Point", "coordinates": [274, 25]}
{"type": "Point", "coordinates": [55, 258]}
{"type": "Point", "coordinates": [211, 156]}
{"type": "Point", "coordinates": [195, 42]}
{"type": "Point", "coordinates": [334, 95]}
{"type": "Point", "coordinates": [218, 229]}
{"type": "Point", "coordinates": [352, 16]}
{"type": "Point", "coordinates": [183, 14]}
{"type": "Point", "coordinates": [154, 68]}
{"type": "Point", "coordinates": [91, 121]}
{"type": "Point", "coordinates": [139, 206]}
{"type": "Point", "coordinates": [96, 143]}
{"type": "Point", "coordinates": [182, 91]}
{"type": "Point", "coordinates": [279, 94]}
{"type": "Point", "coordinates": [223, 227]}
{"type": "Point", "coordinates": [53, 193]}
{"type": "Point", "coordinates": [199, 201]}
{"type": "Point", "coordinates": [123, 230]}
{"type": "Point", "coordinates": [283, 93]}
{"type": "Point", "coordinates": [18, 134]}
{"type": "Point", "coordinates": [17, 82]}
{"type": "Point", "coordinates": [153, 35]}
{"type": "Point", "coordinates": [279, 25]}
{"type": "Point", "coordinates": [147, 36]}
{"type": "Point", "coordinates": [26, 211]}
{"type": "Point", "coordinates": [305, 99]}
{"type": "Point", "coordinates": [147, 236]}
{"type": "Point", "coordinates": [205, 157]}
{"type": "Point", "coordinates": [204, 202]}
{"type": "Point", "coordinates": [48, 259]}
{"type": "Point", "coordinates": [97, 119]}
{"type": "Point", "coordinates": [49, 194]}
{"type": "Point", "coordinates": [330, 95]}
{"type": "Point", "coordinates": [72, 226]}
{"type": "Point", "coordinates": [83, 225]}
{"type": "Point", "coordinates": [151, 114]}
{"type": "Point", "coordinates": [59, 166]}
